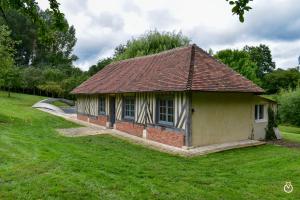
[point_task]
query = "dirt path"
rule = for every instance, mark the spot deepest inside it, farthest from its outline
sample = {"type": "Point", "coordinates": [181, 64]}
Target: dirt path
{"type": "Point", "coordinates": [285, 143]}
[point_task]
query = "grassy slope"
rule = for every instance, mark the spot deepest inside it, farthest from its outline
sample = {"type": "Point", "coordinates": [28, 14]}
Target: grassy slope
{"type": "Point", "coordinates": [37, 163]}
{"type": "Point", "coordinates": [290, 133]}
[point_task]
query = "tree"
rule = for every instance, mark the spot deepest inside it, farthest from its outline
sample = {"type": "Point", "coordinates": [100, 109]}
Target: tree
{"type": "Point", "coordinates": [281, 79]}
{"type": "Point", "coordinates": [72, 82]}
{"type": "Point", "coordinates": [10, 78]}
{"type": "Point", "coordinates": [31, 78]}
{"type": "Point", "coordinates": [23, 30]}
{"type": "Point", "coordinates": [241, 62]}
{"type": "Point", "coordinates": [52, 88]}
{"type": "Point", "coordinates": [9, 75]}
{"type": "Point", "coordinates": [31, 9]}
{"type": "Point", "coordinates": [100, 65]}
{"type": "Point", "coordinates": [54, 46]}
{"type": "Point", "coordinates": [150, 43]}
{"type": "Point", "coordinates": [42, 43]}
{"type": "Point", "coordinates": [262, 56]}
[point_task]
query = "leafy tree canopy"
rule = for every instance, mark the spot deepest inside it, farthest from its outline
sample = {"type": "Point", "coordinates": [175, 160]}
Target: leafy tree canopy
{"type": "Point", "coordinates": [31, 9]}
{"type": "Point", "coordinates": [100, 65]}
{"type": "Point", "coordinates": [43, 42]}
{"type": "Point", "coordinates": [150, 43]}
{"type": "Point", "coordinates": [281, 79]}
{"type": "Point", "coordinates": [262, 56]}
{"type": "Point", "coordinates": [241, 62]}
{"type": "Point", "coordinates": [9, 76]}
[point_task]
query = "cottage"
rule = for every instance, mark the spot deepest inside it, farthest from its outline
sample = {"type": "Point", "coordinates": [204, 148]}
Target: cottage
{"type": "Point", "coordinates": [182, 97]}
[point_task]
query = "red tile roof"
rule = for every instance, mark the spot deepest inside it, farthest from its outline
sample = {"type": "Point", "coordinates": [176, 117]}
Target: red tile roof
{"type": "Point", "coordinates": [180, 69]}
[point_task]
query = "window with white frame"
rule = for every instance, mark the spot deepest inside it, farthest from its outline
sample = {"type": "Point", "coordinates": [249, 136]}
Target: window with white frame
{"type": "Point", "coordinates": [129, 107]}
{"type": "Point", "coordinates": [259, 112]}
{"type": "Point", "coordinates": [166, 111]}
{"type": "Point", "coordinates": [101, 105]}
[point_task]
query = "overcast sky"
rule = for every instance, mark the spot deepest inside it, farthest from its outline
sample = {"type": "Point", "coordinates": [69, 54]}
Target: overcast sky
{"type": "Point", "coordinates": [101, 25]}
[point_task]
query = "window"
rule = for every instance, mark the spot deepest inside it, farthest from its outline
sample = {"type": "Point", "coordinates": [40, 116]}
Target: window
{"type": "Point", "coordinates": [128, 109]}
{"type": "Point", "coordinates": [259, 112]}
{"type": "Point", "coordinates": [101, 105]}
{"type": "Point", "coordinates": [166, 111]}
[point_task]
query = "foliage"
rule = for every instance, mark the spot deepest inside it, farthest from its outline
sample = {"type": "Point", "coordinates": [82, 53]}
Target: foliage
{"type": "Point", "coordinates": [42, 43]}
{"type": "Point", "coordinates": [52, 88]}
{"type": "Point", "coordinates": [31, 9]}
{"type": "Point", "coordinates": [150, 43]}
{"type": "Point", "coordinates": [44, 55]}
{"type": "Point", "coordinates": [240, 61]}
{"type": "Point", "coordinates": [239, 7]}
{"type": "Point", "coordinates": [289, 107]}
{"type": "Point", "coordinates": [9, 75]}
{"type": "Point", "coordinates": [100, 65]}
{"type": "Point", "coordinates": [68, 84]}
{"type": "Point", "coordinates": [23, 30]}
{"type": "Point", "coordinates": [262, 56]}
{"type": "Point", "coordinates": [281, 79]}
{"type": "Point", "coordinates": [54, 46]}
{"type": "Point", "coordinates": [272, 123]}
{"type": "Point", "coordinates": [31, 78]}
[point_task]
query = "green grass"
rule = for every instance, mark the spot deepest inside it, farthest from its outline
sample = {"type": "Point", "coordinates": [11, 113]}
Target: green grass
{"type": "Point", "coordinates": [290, 133]}
{"type": "Point", "coordinates": [60, 104]}
{"type": "Point", "coordinates": [37, 163]}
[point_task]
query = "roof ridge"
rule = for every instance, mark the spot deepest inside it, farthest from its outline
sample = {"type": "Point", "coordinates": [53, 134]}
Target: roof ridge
{"type": "Point", "coordinates": [151, 55]}
{"type": "Point", "coordinates": [191, 68]}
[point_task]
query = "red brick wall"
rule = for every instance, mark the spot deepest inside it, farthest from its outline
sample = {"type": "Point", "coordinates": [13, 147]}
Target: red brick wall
{"type": "Point", "coordinates": [164, 136]}
{"type": "Point", "coordinates": [82, 117]}
{"type": "Point", "coordinates": [130, 127]}
{"type": "Point", "coordinates": [100, 120]}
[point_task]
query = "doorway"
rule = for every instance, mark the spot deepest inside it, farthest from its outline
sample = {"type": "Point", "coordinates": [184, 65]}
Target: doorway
{"type": "Point", "coordinates": [112, 110]}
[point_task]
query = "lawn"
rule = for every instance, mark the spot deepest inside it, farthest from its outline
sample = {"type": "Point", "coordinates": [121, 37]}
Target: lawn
{"type": "Point", "coordinates": [60, 104]}
{"type": "Point", "coordinates": [37, 163]}
{"type": "Point", "coordinates": [290, 133]}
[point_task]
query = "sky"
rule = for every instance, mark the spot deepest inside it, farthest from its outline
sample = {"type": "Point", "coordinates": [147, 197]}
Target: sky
{"type": "Point", "coordinates": [102, 25]}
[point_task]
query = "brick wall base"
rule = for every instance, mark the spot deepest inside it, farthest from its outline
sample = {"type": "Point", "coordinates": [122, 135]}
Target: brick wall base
{"type": "Point", "coordinates": [165, 136]}
{"type": "Point", "coordinates": [130, 127]}
{"type": "Point", "coordinates": [99, 120]}
{"type": "Point", "coordinates": [158, 134]}
{"type": "Point", "coordinates": [82, 117]}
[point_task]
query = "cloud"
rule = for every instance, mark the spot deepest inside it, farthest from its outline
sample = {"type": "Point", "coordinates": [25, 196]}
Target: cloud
{"type": "Point", "coordinates": [108, 20]}
{"type": "Point", "coordinates": [160, 19]}
{"type": "Point", "coordinates": [101, 25]}
{"type": "Point", "coordinates": [130, 6]}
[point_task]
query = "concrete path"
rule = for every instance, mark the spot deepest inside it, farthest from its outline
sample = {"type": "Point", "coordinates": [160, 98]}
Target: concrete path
{"type": "Point", "coordinates": [93, 129]}
{"type": "Point", "coordinates": [82, 131]}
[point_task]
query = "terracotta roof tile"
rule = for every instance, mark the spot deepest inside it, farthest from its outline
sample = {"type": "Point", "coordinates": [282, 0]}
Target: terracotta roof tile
{"type": "Point", "coordinates": [180, 69]}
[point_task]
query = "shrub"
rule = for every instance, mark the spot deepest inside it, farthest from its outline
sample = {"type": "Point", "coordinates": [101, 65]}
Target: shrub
{"type": "Point", "coordinates": [289, 107]}
{"type": "Point", "coordinates": [272, 122]}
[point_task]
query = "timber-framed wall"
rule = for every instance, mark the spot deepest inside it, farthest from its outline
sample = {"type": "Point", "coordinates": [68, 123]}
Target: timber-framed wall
{"type": "Point", "coordinates": [145, 122]}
